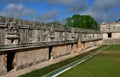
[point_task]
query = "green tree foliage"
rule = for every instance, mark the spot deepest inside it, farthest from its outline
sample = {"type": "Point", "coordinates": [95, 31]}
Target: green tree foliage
{"type": "Point", "coordinates": [69, 22]}
{"type": "Point", "coordinates": [55, 22]}
{"type": "Point", "coordinates": [82, 21]}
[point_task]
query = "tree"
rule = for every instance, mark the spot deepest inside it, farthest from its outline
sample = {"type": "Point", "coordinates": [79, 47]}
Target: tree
{"type": "Point", "coordinates": [55, 22]}
{"type": "Point", "coordinates": [82, 21]}
{"type": "Point", "coordinates": [69, 22]}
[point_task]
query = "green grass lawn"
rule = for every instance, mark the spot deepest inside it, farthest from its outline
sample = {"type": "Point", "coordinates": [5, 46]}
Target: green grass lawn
{"type": "Point", "coordinates": [114, 48]}
{"type": "Point", "coordinates": [105, 64]}
{"type": "Point", "coordinates": [45, 70]}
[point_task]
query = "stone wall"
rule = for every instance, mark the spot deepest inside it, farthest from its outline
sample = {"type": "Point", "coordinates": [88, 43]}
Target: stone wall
{"type": "Point", "coordinates": [29, 57]}
{"type": "Point", "coordinates": [3, 64]}
{"type": "Point", "coordinates": [73, 48]}
{"type": "Point", "coordinates": [111, 32]}
{"type": "Point", "coordinates": [15, 31]}
{"type": "Point", "coordinates": [110, 27]}
{"type": "Point", "coordinates": [27, 43]}
{"type": "Point", "coordinates": [59, 51]}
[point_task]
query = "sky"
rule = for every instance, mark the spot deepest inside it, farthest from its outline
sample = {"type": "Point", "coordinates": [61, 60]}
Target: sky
{"type": "Point", "coordinates": [51, 10]}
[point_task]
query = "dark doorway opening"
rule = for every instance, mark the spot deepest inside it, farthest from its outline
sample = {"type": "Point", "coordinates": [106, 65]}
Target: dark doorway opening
{"type": "Point", "coordinates": [109, 35]}
{"type": "Point", "coordinates": [10, 58]}
{"type": "Point", "coordinates": [12, 41]}
{"type": "Point", "coordinates": [71, 47]}
{"type": "Point", "coordinates": [50, 51]}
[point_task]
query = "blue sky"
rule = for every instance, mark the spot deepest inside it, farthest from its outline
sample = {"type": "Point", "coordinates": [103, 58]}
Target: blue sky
{"type": "Point", "coordinates": [50, 10]}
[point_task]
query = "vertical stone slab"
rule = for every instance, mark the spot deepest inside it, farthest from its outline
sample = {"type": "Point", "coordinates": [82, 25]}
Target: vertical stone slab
{"type": "Point", "coordinates": [61, 50]}
{"type": "Point", "coordinates": [29, 57]}
{"type": "Point", "coordinates": [2, 36]}
{"type": "Point", "coordinates": [34, 36]}
{"type": "Point", "coordinates": [57, 36]}
{"type": "Point", "coordinates": [79, 45]}
{"type": "Point", "coordinates": [73, 47]}
{"type": "Point", "coordinates": [3, 69]}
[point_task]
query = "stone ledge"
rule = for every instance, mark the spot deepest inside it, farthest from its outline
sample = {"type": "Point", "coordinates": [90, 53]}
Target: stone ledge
{"type": "Point", "coordinates": [4, 48]}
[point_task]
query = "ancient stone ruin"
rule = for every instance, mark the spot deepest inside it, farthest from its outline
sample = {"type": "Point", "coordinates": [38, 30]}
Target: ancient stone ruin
{"type": "Point", "coordinates": [27, 43]}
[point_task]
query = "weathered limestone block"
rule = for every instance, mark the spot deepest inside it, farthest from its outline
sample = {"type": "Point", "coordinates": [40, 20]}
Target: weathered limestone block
{"type": "Point", "coordinates": [82, 47]}
{"type": "Point", "coordinates": [24, 35]}
{"type": "Point", "coordinates": [35, 36]}
{"type": "Point", "coordinates": [3, 69]}
{"type": "Point", "coordinates": [30, 57]}
{"type": "Point", "coordinates": [38, 35]}
{"type": "Point", "coordinates": [86, 45]}
{"type": "Point", "coordinates": [115, 35]}
{"type": "Point", "coordinates": [79, 44]}
{"type": "Point", "coordinates": [74, 48]}
{"type": "Point", "coordinates": [57, 36]}
{"type": "Point", "coordinates": [2, 36]}
{"type": "Point", "coordinates": [64, 36]}
{"type": "Point", "coordinates": [105, 36]}
{"type": "Point", "coordinates": [61, 50]}
{"type": "Point", "coordinates": [2, 19]}
{"type": "Point", "coordinates": [45, 35]}
{"type": "Point", "coordinates": [100, 42]}
{"type": "Point", "coordinates": [42, 35]}
{"type": "Point", "coordinates": [61, 36]}
{"type": "Point", "coordinates": [95, 43]}
{"type": "Point", "coordinates": [33, 32]}
{"type": "Point", "coordinates": [89, 45]}
{"type": "Point", "coordinates": [30, 34]}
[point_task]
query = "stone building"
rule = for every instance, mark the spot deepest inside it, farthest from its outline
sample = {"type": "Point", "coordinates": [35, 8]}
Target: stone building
{"type": "Point", "coordinates": [111, 32]}
{"type": "Point", "coordinates": [27, 43]}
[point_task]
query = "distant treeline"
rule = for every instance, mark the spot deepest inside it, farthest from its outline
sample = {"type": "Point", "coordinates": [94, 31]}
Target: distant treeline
{"type": "Point", "coordinates": [80, 21]}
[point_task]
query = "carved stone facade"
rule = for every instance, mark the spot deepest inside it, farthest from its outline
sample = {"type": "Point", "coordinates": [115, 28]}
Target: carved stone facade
{"type": "Point", "coordinates": [26, 43]}
{"type": "Point", "coordinates": [111, 32]}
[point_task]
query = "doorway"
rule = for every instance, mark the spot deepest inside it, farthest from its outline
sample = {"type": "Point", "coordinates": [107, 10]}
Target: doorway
{"type": "Point", "coordinates": [10, 58]}
{"type": "Point", "coordinates": [109, 35]}
{"type": "Point", "coordinates": [50, 52]}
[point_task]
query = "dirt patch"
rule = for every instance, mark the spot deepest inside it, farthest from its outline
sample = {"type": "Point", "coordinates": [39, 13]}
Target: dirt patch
{"type": "Point", "coordinates": [110, 52]}
{"type": "Point", "coordinates": [111, 55]}
{"type": "Point", "coordinates": [115, 58]}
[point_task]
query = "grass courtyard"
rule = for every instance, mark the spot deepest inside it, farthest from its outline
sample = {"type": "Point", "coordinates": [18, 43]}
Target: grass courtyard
{"type": "Point", "coordinates": [105, 64]}
{"type": "Point", "coordinates": [45, 70]}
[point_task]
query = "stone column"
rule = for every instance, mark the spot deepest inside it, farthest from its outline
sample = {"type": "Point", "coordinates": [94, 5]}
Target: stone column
{"type": "Point", "coordinates": [3, 69]}
{"type": "Point", "coordinates": [79, 44]}
{"type": "Point", "coordinates": [35, 36]}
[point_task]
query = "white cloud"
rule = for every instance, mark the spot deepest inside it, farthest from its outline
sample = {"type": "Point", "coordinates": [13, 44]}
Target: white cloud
{"type": "Point", "coordinates": [73, 5]}
{"type": "Point", "coordinates": [14, 10]}
{"type": "Point", "coordinates": [20, 1]}
{"type": "Point", "coordinates": [65, 2]}
{"type": "Point", "coordinates": [48, 16]}
{"type": "Point", "coordinates": [104, 10]}
{"type": "Point", "coordinates": [106, 4]}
